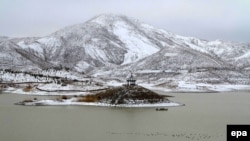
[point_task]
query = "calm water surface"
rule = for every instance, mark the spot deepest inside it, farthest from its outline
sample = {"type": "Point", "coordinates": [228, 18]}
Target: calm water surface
{"type": "Point", "coordinates": [204, 117]}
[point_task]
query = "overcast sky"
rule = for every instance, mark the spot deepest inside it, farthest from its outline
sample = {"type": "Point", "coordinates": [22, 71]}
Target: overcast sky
{"type": "Point", "coordinates": [206, 19]}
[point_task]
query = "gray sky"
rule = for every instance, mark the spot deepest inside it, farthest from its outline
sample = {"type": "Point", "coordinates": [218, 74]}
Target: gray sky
{"type": "Point", "coordinates": [206, 19]}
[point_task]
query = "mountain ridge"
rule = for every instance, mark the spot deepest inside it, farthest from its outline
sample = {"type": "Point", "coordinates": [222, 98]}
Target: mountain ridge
{"type": "Point", "coordinates": [112, 43]}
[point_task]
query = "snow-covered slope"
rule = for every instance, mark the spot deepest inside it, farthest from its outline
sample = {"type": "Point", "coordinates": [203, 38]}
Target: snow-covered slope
{"type": "Point", "coordinates": [101, 41]}
{"type": "Point", "coordinates": [114, 45]}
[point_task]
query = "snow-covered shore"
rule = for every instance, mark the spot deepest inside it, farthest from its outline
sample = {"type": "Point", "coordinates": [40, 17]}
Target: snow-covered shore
{"type": "Point", "coordinates": [73, 102]}
{"type": "Point", "coordinates": [53, 82]}
{"type": "Point", "coordinates": [41, 93]}
{"type": "Point", "coordinates": [54, 89]}
{"type": "Point", "coordinates": [199, 87]}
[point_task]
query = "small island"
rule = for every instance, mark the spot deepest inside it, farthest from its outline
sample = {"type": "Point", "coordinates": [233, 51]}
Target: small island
{"type": "Point", "coordinates": [128, 95]}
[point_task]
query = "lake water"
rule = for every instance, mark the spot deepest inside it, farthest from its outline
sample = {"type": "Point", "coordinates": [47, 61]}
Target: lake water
{"type": "Point", "coordinates": [204, 117]}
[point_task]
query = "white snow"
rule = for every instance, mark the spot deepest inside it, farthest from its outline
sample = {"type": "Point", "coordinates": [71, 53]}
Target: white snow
{"type": "Point", "coordinates": [138, 46]}
{"type": "Point", "coordinates": [43, 93]}
{"type": "Point", "coordinates": [72, 102]}
{"type": "Point", "coordinates": [183, 86]}
{"type": "Point", "coordinates": [101, 19]}
{"type": "Point", "coordinates": [22, 77]}
{"type": "Point", "coordinates": [81, 66]}
{"type": "Point", "coordinates": [245, 55]}
{"type": "Point", "coordinates": [96, 52]}
{"type": "Point", "coordinates": [19, 77]}
{"type": "Point", "coordinates": [153, 87]}
{"type": "Point", "coordinates": [149, 27]}
{"type": "Point", "coordinates": [49, 41]}
{"type": "Point", "coordinates": [114, 83]}
{"type": "Point", "coordinates": [55, 87]}
{"type": "Point", "coordinates": [198, 48]}
{"type": "Point", "coordinates": [34, 46]}
{"type": "Point", "coordinates": [149, 71]}
{"type": "Point", "coordinates": [33, 92]}
{"type": "Point", "coordinates": [215, 43]}
{"type": "Point", "coordinates": [170, 54]}
{"type": "Point", "coordinates": [210, 87]}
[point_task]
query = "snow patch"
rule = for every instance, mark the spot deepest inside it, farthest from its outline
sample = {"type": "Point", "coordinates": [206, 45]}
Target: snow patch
{"type": "Point", "coordinates": [49, 41]}
{"type": "Point", "coordinates": [247, 54]}
{"type": "Point", "coordinates": [215, 43]}
{"type": "Point", "coordinates": [149, 71]}
{"type": "Point", "coordinates": [72, 102]}
{"type": "Point", "coordinates": [34, 46]}
{"type": "Point", "coordinates": [170, 54]}
{"type": "Point", "coordinates": [138, 46]}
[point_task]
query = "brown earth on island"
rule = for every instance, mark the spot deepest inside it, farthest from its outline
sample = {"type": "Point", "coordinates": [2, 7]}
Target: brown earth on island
{"type": "Point", "coordinates": [125, 95]}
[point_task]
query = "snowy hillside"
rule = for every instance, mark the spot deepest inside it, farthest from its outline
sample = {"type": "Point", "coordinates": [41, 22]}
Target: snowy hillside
{"type": "Point", "coordinates": [111, 46]}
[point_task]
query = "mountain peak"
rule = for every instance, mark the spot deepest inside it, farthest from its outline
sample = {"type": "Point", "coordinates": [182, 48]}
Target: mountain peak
{"type": "Point", "coordinates": [107, 16]}
{"type": "Point", "coordinates": [104, 19]}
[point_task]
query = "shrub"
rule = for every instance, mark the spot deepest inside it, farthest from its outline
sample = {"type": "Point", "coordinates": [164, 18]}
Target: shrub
{"type": "Point", "coordinates": [64, 97]}
{"type": "Point", "coordinates": [88, 98]}
{"type": "Point", "coordinates": [27, 88]}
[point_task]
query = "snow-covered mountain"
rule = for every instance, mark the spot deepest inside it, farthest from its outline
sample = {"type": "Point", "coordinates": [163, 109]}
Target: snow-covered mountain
{"type": "Point", "coordinates": [114, 45]}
